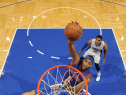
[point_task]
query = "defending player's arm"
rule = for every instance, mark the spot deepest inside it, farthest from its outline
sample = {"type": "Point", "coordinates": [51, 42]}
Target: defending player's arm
{"type": "Point", "coordinates": [105, 52]}
{"type": "Point", "coordinates": [72, 51]}
{"type": "Point", "coordinates": [85, 45]}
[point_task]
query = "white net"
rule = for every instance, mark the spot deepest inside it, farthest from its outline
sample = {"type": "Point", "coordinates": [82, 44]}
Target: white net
{"type": "Point", "coordinates": [61, 81]}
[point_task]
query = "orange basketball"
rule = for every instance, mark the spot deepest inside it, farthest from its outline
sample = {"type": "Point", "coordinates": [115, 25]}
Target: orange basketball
{"type": "Point", "coordinates": [73, 31]}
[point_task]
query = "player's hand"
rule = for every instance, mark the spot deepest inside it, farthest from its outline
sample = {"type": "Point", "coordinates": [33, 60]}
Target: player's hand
{"type": "Point", "coordinates": [104, 60]}
{"type": "Point", "coordinates": [79, 52]}
{"type": "Point", "coordinates": [75, 22]}
{"type": "Point", "coordinates": [66, 81]}
{"type": "Point", "coordinates": [54, 87]}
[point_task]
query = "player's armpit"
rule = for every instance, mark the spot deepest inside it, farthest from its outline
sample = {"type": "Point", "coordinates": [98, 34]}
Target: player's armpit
{"type": "Point", "coordinates": [75, 60]}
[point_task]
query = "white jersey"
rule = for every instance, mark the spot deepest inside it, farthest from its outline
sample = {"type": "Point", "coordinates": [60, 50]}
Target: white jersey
{"type": "Point", "coordinates": [95, 48]}
{"type": "Point", "coordinates": [95, 51]}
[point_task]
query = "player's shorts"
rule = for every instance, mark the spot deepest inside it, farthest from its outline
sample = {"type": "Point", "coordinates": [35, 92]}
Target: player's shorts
{"type": "Point", "coordinates": [96, 55]}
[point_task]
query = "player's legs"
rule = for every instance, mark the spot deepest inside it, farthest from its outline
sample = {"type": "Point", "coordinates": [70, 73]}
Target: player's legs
{"type": "Point", "coordinates": [29, 93]}
{"type": "Point", "coordinates": [98, 70]}
{"type": "Point", "coordinates": [97, 67]}
{"type": "Point", "coordinates": [97, 60]}
{"type": "Point", "coordinates": [85, 54]}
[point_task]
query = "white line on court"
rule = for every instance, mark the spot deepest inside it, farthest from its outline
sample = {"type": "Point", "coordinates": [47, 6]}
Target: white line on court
{"type": "Point", "coordinates": [69, 57]}
{"type": "Point", "coordinates": [30, 43]}
{"type": "Point", "coordinates": [119, 49]}
{"type": "Point", "coordinates": [64, 7]}
{"type": "Point", "coordinates": [43, 28]}
{"type": "Point", "coordinates": [85, 91]}
{"type": "Point", "coordinates": [29, 57]}
{"type": "Point", "coordinates": [55, 57]}
{"type": "Point", "coordinates": [40, 52]}
{"type": "Point", "coordinates": [59, 8]}
{"type": "Point", "coordinates": [6, 50]}
{"type": "Point", "coordinates": [122, 50]}
{"type": "Point", "coordinates": [62, 28]}
{"type": "Point", "coordinates": [7, 53]}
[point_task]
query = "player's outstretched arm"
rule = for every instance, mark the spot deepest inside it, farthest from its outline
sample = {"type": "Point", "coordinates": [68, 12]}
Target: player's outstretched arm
{"type": "Point", "coordinates": [105, 52]}
{"type": "Point", "coordinates": [72, 51]}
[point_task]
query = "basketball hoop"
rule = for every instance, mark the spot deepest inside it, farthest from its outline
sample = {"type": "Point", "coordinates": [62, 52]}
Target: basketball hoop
{"type": "Point", "coordinates": [55, 77]}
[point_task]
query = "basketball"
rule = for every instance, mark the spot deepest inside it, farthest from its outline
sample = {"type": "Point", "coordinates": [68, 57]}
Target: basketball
{"type": "Point", "coordinates": [73, 31]}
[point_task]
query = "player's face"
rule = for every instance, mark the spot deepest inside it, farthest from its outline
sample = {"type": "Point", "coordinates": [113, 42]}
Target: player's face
{"type": "Point", "coordinates": [98, 41]}
{"type": "Point", "coordinates": [87, 63]}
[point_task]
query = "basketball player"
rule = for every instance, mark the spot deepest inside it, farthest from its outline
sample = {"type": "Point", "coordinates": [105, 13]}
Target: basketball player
{"type": "Point", "coordinates": [95, 49]}
{"type": "Point", "coordinates": [82, 64]}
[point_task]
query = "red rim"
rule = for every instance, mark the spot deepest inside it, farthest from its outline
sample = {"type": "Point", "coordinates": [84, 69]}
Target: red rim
{"type": "Point", "coordinates": [38, 87]}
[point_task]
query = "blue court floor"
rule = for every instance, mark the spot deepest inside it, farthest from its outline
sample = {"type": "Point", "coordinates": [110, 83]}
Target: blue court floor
{"type": "Point", "coordinates": [30, 56]}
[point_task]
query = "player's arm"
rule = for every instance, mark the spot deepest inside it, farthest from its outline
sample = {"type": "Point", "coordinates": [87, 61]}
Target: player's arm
{"type": "Point", "coordinates": [79, 87]}
{"type": "Point", "coordinates": [85, 45]}
{"type": "Point", "coordinates": [29, 93]}
{"type": "Point", "coordinates": [105, 52]}
{"type": "Point", "coordinates": [72, 51]}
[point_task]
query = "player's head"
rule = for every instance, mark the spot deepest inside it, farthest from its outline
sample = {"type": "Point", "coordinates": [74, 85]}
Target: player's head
{"type": "Point", "coordinates": [87, 62]}
{"type": "Point", "coordinates": [98, 39]}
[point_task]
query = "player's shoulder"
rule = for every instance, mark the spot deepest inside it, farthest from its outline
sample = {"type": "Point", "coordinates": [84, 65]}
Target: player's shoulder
{"type": "Point", "coordinates": [104, 43]}
{"type": "Point", "coordinates": [90, 41]}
